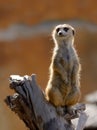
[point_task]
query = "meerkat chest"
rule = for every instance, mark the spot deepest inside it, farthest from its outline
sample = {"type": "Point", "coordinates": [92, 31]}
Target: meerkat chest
{"type": "Point", "coordinates": [68, 57]}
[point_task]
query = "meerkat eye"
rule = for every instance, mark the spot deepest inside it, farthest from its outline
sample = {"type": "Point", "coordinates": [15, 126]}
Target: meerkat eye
{"type": "Point", "coordinates": [65, 29]}
{"type": "Point", "coordinates": [57, 30]}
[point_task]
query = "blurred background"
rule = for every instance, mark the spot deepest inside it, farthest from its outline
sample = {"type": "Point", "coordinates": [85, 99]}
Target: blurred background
{"type": "Point", "coordinates": [26, 44]}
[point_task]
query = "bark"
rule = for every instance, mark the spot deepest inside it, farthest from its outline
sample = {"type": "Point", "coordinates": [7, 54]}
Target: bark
{"type": "Point", "coordinates": [30, 105]}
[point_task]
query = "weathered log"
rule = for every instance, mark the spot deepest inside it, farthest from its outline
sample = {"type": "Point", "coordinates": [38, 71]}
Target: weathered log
{"type": "Point", "coordinates": [30, 105]}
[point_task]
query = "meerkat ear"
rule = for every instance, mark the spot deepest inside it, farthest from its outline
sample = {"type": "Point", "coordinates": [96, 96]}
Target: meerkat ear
{"type": "Point", "coordinates": [73, 32]}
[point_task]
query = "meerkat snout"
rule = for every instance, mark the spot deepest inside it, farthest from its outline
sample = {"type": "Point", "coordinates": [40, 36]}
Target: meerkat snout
{"type": "Point", "coordinates": [60, 33]}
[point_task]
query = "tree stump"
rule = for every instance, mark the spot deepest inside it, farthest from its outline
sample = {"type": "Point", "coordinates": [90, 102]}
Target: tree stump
{"type": "Point", "coordinates": [30, 105]}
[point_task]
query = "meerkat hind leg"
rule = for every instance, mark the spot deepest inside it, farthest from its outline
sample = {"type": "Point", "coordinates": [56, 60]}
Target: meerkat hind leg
{"type": "Point", "coordinates": [71, 101]}
{"type": "Point", "coordinates": [57, 100]}
{"type": "Point", "coordinates": [56, 97]}
{"type": "Point", "coordinates": [73, 97]}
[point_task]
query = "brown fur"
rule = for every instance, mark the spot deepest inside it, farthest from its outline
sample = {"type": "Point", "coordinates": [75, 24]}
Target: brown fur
{"type": "Point", "coordinates": [63, 85]}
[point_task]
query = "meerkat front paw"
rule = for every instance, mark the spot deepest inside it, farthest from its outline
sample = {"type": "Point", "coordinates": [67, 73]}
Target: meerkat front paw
{"type": "Point", "coordinates": [66, 81]}
{"type": "Point", "coordinates": [60, 111]}
{"type": "Point", "coordinates": [74, 82]}
{"type": "Point", "coordinates": [65, 77]}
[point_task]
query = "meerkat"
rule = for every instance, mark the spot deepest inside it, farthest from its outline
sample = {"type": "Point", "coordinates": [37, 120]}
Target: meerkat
{"type": "Point", "coordinates": [63, 87]}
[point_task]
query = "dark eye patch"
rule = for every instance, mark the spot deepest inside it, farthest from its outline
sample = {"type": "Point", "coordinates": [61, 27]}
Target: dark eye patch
{"type": "Point", "coordinates": [57, 30]}
{"type": "Point", "coordinates": [73, 32]}
{"type": "Point", "coordinates": [65, 29]}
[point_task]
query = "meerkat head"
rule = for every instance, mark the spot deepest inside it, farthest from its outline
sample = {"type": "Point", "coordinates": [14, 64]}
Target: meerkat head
{"type": "Point", "coordinates": [63, 32]}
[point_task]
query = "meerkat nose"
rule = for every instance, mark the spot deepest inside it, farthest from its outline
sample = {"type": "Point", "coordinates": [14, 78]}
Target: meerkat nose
{"type": "Point", "coordinates": [60, 33]}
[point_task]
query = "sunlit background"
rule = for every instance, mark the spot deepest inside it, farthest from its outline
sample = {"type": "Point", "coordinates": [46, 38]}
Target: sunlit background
{"type": "Point", "coordinates": [26, 44]}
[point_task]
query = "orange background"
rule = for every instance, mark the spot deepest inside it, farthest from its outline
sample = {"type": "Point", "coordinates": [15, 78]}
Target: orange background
{"type": "Point", "coordinates": [26, 44]}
